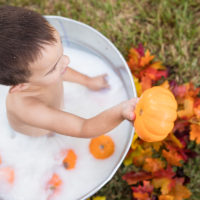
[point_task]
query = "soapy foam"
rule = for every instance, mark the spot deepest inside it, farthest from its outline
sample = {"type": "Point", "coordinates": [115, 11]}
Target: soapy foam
{"type": "Point", "coordinates": [34, 160]}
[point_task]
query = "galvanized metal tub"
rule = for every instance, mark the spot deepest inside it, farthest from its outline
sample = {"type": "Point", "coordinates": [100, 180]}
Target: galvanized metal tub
{"type": "Point", "coordinates": [86, 38]}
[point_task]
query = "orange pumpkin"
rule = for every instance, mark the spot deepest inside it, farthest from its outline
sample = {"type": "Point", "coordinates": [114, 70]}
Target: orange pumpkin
{"type": "Point", "coordinates": [7, 174]}
{"type": "Point", "coordinates": [55, 181]}
{"type": "Point", "coordinates": [69, 161]}
{"type": "Point", "coordinates": [53, 186]}
{"type": "Point", "coordinates": [102, 147]}
{"type": "Point", "coordinates": [155, 114]}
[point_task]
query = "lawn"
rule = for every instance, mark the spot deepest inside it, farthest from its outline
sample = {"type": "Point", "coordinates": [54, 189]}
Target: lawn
{"type": "Point", "coordinates": [170, 29]}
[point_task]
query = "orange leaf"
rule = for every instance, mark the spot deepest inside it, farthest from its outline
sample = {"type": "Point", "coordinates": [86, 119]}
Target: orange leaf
{"type": "Point", "coordinates": [179, 191]}
{"type": "Point", "coordinates": [197, 111]}
{"type": "Point", "coordinates": [146, 83]}
{"type": "Point", "coordinates": [166, 197]}
{"type": "Point", "coordinates": [195, 133]}
{"type": "Point", "coordinates": [141, 196]}
{"type": "Point", "coordinates": [172, 157]}
{"type": "Point", "coordinates": [146, 59]}
{"type": "Point", "coordinates": [188, 111]}
{"type": "Point", "coordinates": [192, 91]}
{"type": "Point", "coordinates": [134, 58]}
{"type": "Point", "coordinates": [153, 164]}
{"type": "Point", "coordinates": [197, 107]}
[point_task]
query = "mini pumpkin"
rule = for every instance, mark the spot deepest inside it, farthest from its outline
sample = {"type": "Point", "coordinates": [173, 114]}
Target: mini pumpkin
{"type": "Point", "coordinates": [69, 161]}
{"type": "Point", "coordinates": [102, 147]}
{"type": "Point", "coordinates": [53, 186]}
{"type": "Point", "coordinates": [55, 181]}
{"type": "Point", "coordinates": [7, 174]}
{"type": "Point", "coordinates": [155, 112]}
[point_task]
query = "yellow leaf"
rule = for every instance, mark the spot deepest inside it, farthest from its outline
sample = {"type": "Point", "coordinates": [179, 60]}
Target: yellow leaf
{"type": "Point", "coordinates": [134, 144]}
{"type": "Point", "coordinates": [175, 140]}
{"type": "Point", "coordinates": [163, 183]}
{"type": "Point", "coordinates": [166, 197]}
{"type": "Point", "coordinates": [140, 155]}
{"type": "Point", "coordinates": [138, 86]}
{"type": "Point", "coordinates": [128, 160]}
{"type": "Point", "coordinates": [157, 65]}
{"type": "Point", "coordinates": [99, 198]}
{"type": "Point", "coordinates": [165, 84]}
{"type": "Point", "coordinates": [157, 145]}
{"type": "Point", "coordinates": [188, 110]}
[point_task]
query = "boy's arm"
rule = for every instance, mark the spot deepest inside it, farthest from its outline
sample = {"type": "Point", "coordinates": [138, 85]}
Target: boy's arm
{"type": "Point", "coordinates": [94, 83]}
{"type": "Point", "coordinates": [64, 123]}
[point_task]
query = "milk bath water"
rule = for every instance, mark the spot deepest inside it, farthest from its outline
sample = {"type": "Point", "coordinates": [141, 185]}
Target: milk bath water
{"type": "Point", "coordinates": [35, 159]}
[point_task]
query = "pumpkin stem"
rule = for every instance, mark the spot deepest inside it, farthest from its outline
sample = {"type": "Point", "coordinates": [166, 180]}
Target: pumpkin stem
{"type": "Point", "coordinates": [101, 146]}
{"type": "Point", "coordinates": [66, 165]}
{"type": "Point", "coordinates": [141, 111]}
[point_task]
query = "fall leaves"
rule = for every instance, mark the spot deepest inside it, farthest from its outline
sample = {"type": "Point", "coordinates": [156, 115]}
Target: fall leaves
{"type": "Point", "coordinates": [159, 165]}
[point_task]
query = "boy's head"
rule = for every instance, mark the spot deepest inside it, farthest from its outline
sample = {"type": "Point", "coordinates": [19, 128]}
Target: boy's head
{"type": "Point", "coordinates": [25, 36]}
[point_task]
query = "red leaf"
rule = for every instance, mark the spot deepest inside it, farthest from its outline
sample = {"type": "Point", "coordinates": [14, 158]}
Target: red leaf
{"type": "Point", "coordinates": [168, 172]}
{"type": "Point", "coordinates": [178, 90]}
{"type": "Point", "coordinates": [147, 187]}
{"type": "Point", "coordinates": [146, 83]}
{"type": "Point", "coordinates": [134, 177]}
{"type": "Point", "coordinates": [140, 50]}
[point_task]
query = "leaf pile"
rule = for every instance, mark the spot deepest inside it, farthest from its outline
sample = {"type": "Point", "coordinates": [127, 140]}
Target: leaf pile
{"type": "Point", "coordinates": [160, 173]}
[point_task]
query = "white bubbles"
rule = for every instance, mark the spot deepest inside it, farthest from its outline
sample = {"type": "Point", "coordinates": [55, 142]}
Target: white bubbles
{"type": "Point", "coordinates": [34, 160]}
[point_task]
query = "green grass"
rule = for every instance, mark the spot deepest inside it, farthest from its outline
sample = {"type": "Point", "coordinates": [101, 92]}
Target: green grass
{"type": "Point", "coordinates": [170, 29]}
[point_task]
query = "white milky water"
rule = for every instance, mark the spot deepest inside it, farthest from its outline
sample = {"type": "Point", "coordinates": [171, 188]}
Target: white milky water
{"type": "Point", "coordinates": [35, 159]}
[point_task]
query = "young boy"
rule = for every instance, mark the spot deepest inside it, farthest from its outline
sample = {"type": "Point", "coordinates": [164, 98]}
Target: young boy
{"type": "Point", "coordinates": [33, 64]}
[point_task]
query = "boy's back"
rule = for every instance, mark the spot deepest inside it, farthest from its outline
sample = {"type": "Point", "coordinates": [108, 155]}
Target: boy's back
{"type": "Point", "coordinates": [18, 104]}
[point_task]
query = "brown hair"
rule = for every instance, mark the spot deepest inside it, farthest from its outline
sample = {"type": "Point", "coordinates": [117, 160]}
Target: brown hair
{"type": "Point", "coordinates": [22, 33]}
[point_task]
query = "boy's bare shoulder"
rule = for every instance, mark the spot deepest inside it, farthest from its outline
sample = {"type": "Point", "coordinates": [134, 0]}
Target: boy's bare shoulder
{"type": "Point", "coordinates": [29, 110]}
{"type": "Point", "coordinates": [17, 103]}
{"type": "Point", "coordinates": [20, 106]}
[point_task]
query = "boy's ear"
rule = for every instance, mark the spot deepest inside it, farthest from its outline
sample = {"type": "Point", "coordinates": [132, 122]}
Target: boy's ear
{"type": "Point", "coordinates": [19, 87]}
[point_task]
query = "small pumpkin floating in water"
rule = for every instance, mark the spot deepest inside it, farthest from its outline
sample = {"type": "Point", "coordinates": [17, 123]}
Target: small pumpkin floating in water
{"type": "Point", "coordinates": [7, 174]}
{"type": "Point", "coordinates": [155, 112]}
{"type": "Point", "coordinates": [54, 186]}
{"type": "Point", "coordinates": [54, 182]}
{"type": "Point", "coordinates": [69, 161]}
{"type": "Point", "coordinates": [102, 147]}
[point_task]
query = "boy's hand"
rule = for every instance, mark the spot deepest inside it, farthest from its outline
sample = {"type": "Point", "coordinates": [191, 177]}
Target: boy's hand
{"type": "Point", "coordinates": [98, 82]}
{"type": "Point", "coordinates": [128, 108]}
